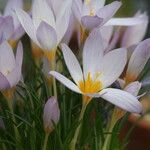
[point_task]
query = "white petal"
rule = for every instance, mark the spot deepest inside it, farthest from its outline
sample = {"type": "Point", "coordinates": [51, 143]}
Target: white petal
{"type": "Point", "coordinates": [92, 53]}
{"type": "Point", "coordinates": [138, 59]}
{"type": "Point", "coordinates": [113, 65]}
{"type": "Point", "coordinates": [27, 24]}
{"type": "Point", "coordinates": [42, 12]}
{"type": "Point", "coordinates": [46, 36]}
{"type": "Point", "coordinates": [108, 11]}
{"type": "Point", "coordinates": [77, 9]}
{"type": "Point", "coordinates": [62, 19]}
{"type": "Point", "coordinates": [7, 59]}
{"type": "Point", "coordinates": [106, 32]}
{"type": "Point", "coordinates": [129, 37]}
{"type": "Point", "coordinates": [72, 64]}
{"type": "Point", "coordinates": [133, 88]}
{"type": "Point", "coordinates": [124, 21]}
{"type": "Point", "coordinates": [69, 84]}
{"type": "Point", "coordinates": [122, 99]}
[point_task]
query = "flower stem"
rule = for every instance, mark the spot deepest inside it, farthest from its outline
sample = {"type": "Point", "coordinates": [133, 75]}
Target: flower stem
{"type": "Point", "coordinates": [53, 65]}
{"type": "Point", "coordinates": [74, 140]}
{"type": "Point", "coordinates": [45, 141]}
{"type": "Point", "coordinates": [108, 136]}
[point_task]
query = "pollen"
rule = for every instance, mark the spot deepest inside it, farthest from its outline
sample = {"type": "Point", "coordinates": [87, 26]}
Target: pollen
{"type": "Point", "coordinates": [130, 78]}
{"type": "Point", "coordinates": [92, 12]}
{"type": "Point", "coordinates": [87, 2]}
{"type": "Point", "coordinates": [89, 85]}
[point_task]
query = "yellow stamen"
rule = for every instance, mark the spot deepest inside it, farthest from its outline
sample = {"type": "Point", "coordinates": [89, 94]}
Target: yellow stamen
{"type": "Point", "coordinates": [89, 85]}
{"type": "Point", "coordinates": [92, 12]}
{"type": "Point", "coordinates": [12, 43]}
{"type": "Point", "coordinates": [87, 2]}
{"type": "Point", "coordinates": [129, 78]}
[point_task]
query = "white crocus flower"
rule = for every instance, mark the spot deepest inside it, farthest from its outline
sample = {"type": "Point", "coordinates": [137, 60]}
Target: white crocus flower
{"type": "Point", "coordinates": [99, 72]}
{"type": "Point", "coordinates": [45, 28]}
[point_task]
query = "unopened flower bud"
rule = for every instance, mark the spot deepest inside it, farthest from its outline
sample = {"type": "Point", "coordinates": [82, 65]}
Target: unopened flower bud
{"type": "Point", "coordinates": [51, 114]}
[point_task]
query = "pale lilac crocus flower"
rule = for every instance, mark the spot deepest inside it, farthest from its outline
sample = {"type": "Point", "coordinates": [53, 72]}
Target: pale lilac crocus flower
{"type": "Point", "coordinates": [51, 114]}
{"type": "Point", "coordinates": [46, 28]}
{"type": "Point", "coordinates": [10, 66]}
{"type": "Point", "coordinates": [94, 14]}
{"type": "Point", "coordinates": [10, 27]}
{"type": "Point", "coordinates": [99, 72]}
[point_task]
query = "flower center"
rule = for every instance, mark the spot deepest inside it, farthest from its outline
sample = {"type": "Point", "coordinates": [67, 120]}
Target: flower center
{"type": "Point", "coordinates": [89, 85]}
{"type": "Point", "coordinates": [91, 11]}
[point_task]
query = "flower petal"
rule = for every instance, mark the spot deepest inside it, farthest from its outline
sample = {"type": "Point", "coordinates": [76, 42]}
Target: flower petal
{"type": "Point", "coordinates": [69, 84]}
{"type": "Point", "coordinates": [4, 84]}
{"type": "Point", "coordinates": [129, 37]}
{"type": "Point", "coordinates": [138, 59]}
{"type": "Point", "coordinates": [91, 22]}
{"type": "Point", "coordinates": [72, 64]}
{"type": "Point", "coordinates": [122, 99]}
{"type": "Point", "coordinates": [124, 21]}
{"type": "Point", "coordinates": [46, 36]}
{"type": "Point", "coordinates": [9, 10]}
{"type": "Point", "coordinates": [113, 65]}
{"type": "Point", "coordinates": [7, 59]}
{"type": "Point", "coordinates": [63, 16]}
{"type": "Point", "coordinates": [106, 33]}
{"type": "Point", "coordinates": [8, 28]}
{"type": "Point", "coordinates": [77, 9]}
{"type": "Point", "coordinates": [133, 88]}
{"type": "Point", "coordinates": [27, 24]}
{"type": "Point", "coordinates": [15, 76]}
{"type": "Point", "coordinates": [92, 53]}
{"type": "Point", "coordinates": [108, 11]}
{"type": "Point", "coordinates": [42, 12]}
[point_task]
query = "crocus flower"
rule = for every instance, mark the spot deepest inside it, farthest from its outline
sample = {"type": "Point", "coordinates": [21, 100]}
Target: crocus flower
{"type": "Point", "coordinates": [94, 14]}
{"type": "Point", "coordinates": [45, 28]}
{"type": "Point", "coordinates": [10, 28]}
{"type": "Point", "coordinates": [51, 114]}
{"type": "Point", "coordinates": [99, 72]}
{"type": "Point", "coordinates": [129, 37]}
{"type": "Point", "coordinates": [10, 66]}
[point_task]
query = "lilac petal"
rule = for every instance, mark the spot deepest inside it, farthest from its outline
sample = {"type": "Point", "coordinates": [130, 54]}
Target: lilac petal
{"type": "Point", "coordinates": [51, 114]}
{"type": "Point", "coordinates": [133, 88]}
{"type": "Point", "coordinates": [8, 27]}
{"type": "Point", "coordinates": [19, 54]}
{"type": "Point", "coordinates": [4, 84]}
{"type": "Point", "coordinates": [46, 36]}
{"type": "Point", "coordinates": [18, 33]}
{"type": "Point", "coordinates": [7, 59]}
{"type": "Point", "coordinates": [138, 59]}
{"type": "Point", "coordinates": [91, 22]}
{"type": "Point", "coordinates": [12, 5]}
{"type": "Point", "coordinates": [108, 11]}
{"type": "Point", "coordinates": [15, 76]}
{"type": "Point", "coordinates": [9, 10]}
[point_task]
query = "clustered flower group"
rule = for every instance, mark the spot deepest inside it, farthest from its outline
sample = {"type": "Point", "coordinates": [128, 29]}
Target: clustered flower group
{"type": "Point", "coordinates": [52, 23]}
